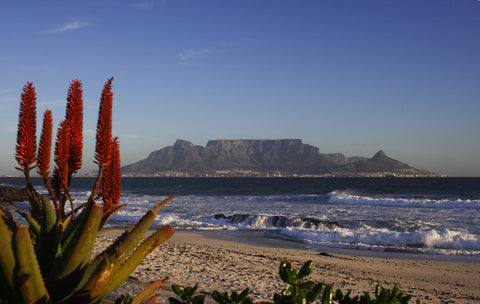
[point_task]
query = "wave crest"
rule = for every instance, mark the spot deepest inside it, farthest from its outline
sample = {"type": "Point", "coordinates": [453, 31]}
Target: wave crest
{"type": "Point", "coordinates": [346, 198]}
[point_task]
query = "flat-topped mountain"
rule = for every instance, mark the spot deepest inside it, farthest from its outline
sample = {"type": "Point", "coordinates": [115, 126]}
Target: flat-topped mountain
{"type": "Point", "coordinates": [280, 157]}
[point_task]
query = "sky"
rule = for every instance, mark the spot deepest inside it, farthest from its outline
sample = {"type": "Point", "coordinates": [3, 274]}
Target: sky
{"type": "Point", "coordinates": [347, 76]}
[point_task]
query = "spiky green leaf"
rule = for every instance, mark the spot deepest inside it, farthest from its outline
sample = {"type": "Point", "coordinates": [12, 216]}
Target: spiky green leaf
{"type": "Point", "coordinates": [108, 276]}
{"type": "Point", "coordinates": [327, 297]}
{"type": "Point", "coordinates": [287, 273]}
{"type": "Point", "coordinates": [306, 270]}
{"type": "Point", "coordinates": [147, 246]}
{"type": "Point", "coordinates": [30, 284]}
{"type": "Point", "coordinates": [147, 292]}
{"type": "Point", "coordinates": [7, 255]}
{"type": "Point", "coordinates": [78, 250]}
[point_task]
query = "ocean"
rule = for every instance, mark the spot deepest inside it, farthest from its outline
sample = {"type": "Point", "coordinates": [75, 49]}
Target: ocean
{"type": "Point", "coordinates": [425, 216]}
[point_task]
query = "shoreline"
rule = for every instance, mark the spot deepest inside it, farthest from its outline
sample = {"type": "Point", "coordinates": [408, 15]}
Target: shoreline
{"type": "Point", "coordinates": [190, 258]}
{"type": "Point", "coordinates": [262, 239]}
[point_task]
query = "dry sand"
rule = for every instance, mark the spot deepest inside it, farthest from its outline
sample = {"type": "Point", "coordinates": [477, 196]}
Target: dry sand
{"type": "Point", "coordinates": [192, 258]}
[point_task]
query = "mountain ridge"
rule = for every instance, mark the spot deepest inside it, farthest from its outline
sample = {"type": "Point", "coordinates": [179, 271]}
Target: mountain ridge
{"type": "Point", "coordinates": [263, 157]}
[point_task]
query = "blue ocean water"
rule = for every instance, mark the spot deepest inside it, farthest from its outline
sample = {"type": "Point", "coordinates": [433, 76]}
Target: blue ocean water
{"type": "Point", "coordinates": [439, 216]}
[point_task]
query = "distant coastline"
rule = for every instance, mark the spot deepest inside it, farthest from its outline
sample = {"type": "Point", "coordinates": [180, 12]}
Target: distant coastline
{"type": "Point", "coordinates": [264, 158]}
{"type": "Point", "coordinates": [247, 173]}
{"type": "Point", "coordinates": [188, 175]}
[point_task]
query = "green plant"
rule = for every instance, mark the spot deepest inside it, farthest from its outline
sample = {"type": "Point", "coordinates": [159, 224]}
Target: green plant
{"type": "Point", "coordinates": [50, 259]}
{"type": "Point", "coordinates": [233, 298]}
{"type": "Point", "coordinates": [187, 295]}
{"type": "Point", "coordinates": [382, 296]}
{"type": "Point", "coordinates": [300, 290]}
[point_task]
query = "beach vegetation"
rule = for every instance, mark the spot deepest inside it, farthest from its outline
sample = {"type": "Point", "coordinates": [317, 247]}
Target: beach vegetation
{"type": "Point", "coordinates": [382, 296]}
{"type": "Point", "coordinates": [47, 258]}
{"type": "Point", "coordinates": [233, 298]}
{"type": "Point", "coordinates": [187, 295]}
{"type": "Point", "coordinates": [300, 291]}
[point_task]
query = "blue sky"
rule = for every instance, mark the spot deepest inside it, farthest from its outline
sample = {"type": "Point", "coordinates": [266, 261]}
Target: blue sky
{"type": "Point", "coordinates": [348, 76]}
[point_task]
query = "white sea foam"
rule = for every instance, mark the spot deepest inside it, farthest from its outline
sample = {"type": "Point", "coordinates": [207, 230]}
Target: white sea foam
{"type": "Point", "coordinates": [444, 242]}
{"type": "Point", "coordinates": [343, 197]}
{"type": "Point", "coordinates": [337, 219]}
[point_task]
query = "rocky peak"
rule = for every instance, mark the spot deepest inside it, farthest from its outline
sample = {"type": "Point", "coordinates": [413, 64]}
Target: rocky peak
{"type": "Point", "coordinates": [181, 144]}
{"type": "Point", "coordinates": [380, 155]}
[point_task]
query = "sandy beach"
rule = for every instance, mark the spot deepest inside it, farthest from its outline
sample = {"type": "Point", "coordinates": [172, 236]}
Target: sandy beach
{"type": "Point", "coordinates": [193, 258]}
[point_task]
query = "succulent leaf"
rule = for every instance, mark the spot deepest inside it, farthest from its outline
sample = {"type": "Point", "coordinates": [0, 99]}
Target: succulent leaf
{"type": "Point", "coordinates": [110, 274]}
{"type": "Point", "coordinates": [77, 251]}
{"type": "Point", "coordinates": [148, 291]}
{"type": "Point", "coordinates": [287, 273]}
{"type": "Point", "coordinates": [34, 225]}
{"type": "Point", "coordinates": [7, 256]}
{"type": "Point", "coordinates": [129, 240]}
{"type": "Point", "coordinates": [108, 213]}
{"type": "Point", "coordinates": [152, 300]}
{"type": "Point", "coordinates": [306, 270]}
{"type": "Point", "coordinates": [49, 216]}
{"type": "Point", "coordinates": [327, 295]}
{"type": "Point", "coordinates": [123, 246]}
{"type": "Point", "coordinates": [47, 247]}
{"type": "Point", "coordinates": [30, 283]}
{"type": "Point", "coordinates": [138, 255]}
{"type": "Point", "coordinates": [315, 293]}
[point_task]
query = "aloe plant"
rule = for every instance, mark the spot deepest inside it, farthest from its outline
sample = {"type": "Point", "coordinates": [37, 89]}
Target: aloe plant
{"type": "Point", "coordinates": [49, 260]}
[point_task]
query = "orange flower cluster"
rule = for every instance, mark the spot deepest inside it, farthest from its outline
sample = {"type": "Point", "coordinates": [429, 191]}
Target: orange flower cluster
{"type": "Point", "coordinates": [104, 126]}
{"type": "Point", "coordinates": [45, 147]}
{"type": "Point", "coordinates": [111, 179]}
{"type": "Point", "coordinates": [69, 145]}
{"type": "Point", "coordinates": [74, 117]}
{"type": "Point", "coordinates": [27, 126]}
{"type": "Point", "coordinates": [62, 156]}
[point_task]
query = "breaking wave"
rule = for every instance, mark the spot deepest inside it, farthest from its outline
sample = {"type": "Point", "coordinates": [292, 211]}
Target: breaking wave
{"type": "Point", "coordinates": [346, 198]}
{"type": "Point", "coordinates": [336, 234]}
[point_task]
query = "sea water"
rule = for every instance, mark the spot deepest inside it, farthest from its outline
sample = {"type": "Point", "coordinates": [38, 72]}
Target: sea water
{"type": "Point", "coordinates": [439, 216]}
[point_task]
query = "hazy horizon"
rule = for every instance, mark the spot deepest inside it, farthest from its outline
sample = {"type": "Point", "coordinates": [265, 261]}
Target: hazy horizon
{"type": "Point", "coordinates": [351, 77]}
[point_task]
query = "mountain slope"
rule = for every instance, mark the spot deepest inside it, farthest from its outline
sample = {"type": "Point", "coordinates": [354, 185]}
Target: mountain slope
{"type": "Point", "coordinates": [261, 158]}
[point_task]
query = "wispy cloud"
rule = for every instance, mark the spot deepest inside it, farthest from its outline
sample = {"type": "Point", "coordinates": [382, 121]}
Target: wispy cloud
{"type": "Point", "coordinates": [68, 27]}
{"type": "Point", "coordinates": [147, 4]}
{"type": "Point", "coordinates": [186, 56]}
{"type": "Point", "coordinates": [144, 5]}
{"type": "Point", "coordinates": [227, 46]}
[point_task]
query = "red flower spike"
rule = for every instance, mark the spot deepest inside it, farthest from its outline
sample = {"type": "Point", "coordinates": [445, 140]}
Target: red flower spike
{"type": "Point", "coordinates": [27, 125]}
{"type": "Point", "coordinates": [45, 147]}
{"type": "Point", "coordinates": [62, 153]}
{"type": "Point", "coordinates": [104, 126]}
{"type": "Point", "coordinates": [56, 184]}
{"type": "Point", "coordinates": [112, 177]}
{"type": "Point", "coordinates": [74, 118]}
